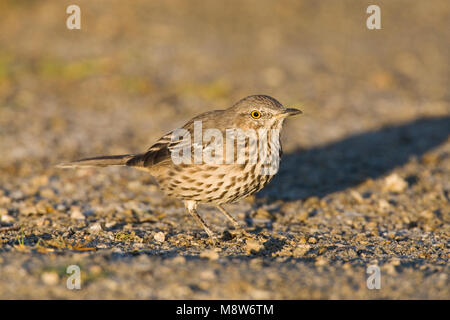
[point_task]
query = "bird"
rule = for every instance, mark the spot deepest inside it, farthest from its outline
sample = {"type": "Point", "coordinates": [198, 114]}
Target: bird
{"type": "Point", "coordinates": [228, 155]}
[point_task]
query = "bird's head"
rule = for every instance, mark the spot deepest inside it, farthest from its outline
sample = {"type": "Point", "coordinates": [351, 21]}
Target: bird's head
{"type": "Point", "coordinates": [260, 111]}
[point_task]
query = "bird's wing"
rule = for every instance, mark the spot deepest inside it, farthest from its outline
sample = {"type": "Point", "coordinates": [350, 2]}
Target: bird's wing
{"type": "Point", "coordinates": [173, 141]}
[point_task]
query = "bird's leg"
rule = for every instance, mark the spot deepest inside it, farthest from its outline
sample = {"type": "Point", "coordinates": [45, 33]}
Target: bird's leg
{"type": "Point", "coordinates": [230, 217]}
{"type": "Point", "coordinates": [191, 207]}
{"type": "Point", "coordinates": [236, 224]}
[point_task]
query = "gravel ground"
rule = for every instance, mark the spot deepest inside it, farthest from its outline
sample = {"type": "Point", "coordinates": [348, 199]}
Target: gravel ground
{"type": "Point", "coordinates": [365, 179]}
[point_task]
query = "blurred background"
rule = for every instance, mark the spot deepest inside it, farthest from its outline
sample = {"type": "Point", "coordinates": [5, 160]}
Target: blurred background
{"type": "Point", "coordinates": [376, 103]}
{"type": "Point", "coordinates": [135, 71]}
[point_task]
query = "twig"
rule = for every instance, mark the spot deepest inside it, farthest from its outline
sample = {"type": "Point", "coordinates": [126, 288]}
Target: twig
{"type": "Point", "coordinates": [10, 228]}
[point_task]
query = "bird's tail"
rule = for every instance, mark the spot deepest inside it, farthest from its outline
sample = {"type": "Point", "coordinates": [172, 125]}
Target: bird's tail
{"type": "Point", "coordinates": [103, 161]}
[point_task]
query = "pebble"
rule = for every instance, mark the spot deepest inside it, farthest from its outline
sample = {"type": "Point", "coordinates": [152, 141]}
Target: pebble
{"type": "Point", "coordinates": [138, 245]}
{"type": "Point", "coordinates": [253, 245]}
{"type": "Point", "coordinates": [50, 278]}
{"type": "Point", "coordinates": [372, 225]}
{"type": "Point", "coordinates": [427, 214]}
{"type": "Point", "coordinates": [262, 214]}
{"type": "Point", "coordinates": [95, 270]}
{"type": "Point", "coordinates": [301, 250]}
{"type": "Point", "coordinates": [110, 224]}
{"type": "Point", "coordinates": [383, 204]}
{"type": "Point", "coordinates": [208, 274]}
{"type": "Point", "coordinates": [16, 195]}
{"type": "Point", "coordinates": [357, 196]}
{"type": "Point", "coordinates": [28, 211]}
{"type": "Point", "coordinates": [394, 183]}
{"type": "Point", "coordinates": [4, 200]}
{"type": "Point", "coordinates": [76, 214]}
{"type": "Point", "coordinates": [321, 261]}
{"type": "Point", "coordinates": [47, 193]}
{"type": "Point", "coordinates": [210, 254]}
{"type": "Point", "coordinates": [7, 218]}
{"type": "Point", "coordinates": [312, 240]}
{"type": "Point", "coordinates": [302, 216]}
{"type": "Point", "coordinates": [159, 236]}
{"type": "Point", "coordinates": [96, 227]}
{"type": "Point", "coordinates": [179, 260]}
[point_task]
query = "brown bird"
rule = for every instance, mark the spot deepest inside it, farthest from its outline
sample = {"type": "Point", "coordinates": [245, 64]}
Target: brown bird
{"type": "Point", "coordinates": [226, 155]}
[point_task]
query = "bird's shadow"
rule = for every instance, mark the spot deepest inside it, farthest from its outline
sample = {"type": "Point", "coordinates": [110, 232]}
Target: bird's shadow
{"type": "Point", "coordinates": [339, 165]}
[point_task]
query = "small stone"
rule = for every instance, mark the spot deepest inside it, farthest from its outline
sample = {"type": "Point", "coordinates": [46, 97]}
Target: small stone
{"type": "Point", "coordinates": [259, 294]}
{"type": "Point", "coordinates": [39, 180]}
{"type": "Point", "coordinates": [312, 201]}
{"type": "Point", "coordinates": [430, 159]}
{"type": "Point", "coordinates": [96, 227]}
{"type": "Point", "coordinates": [383, 204]}
{"type": "Point", "coordinates": [372, 225]}
{"type": "Point", "coordinates": [50, 278]}
{"type": "Point", "coordinates": [95, 270]}
{"type": "Point", "coordinates": [302, 216]}
{"type": "Point", "coordinates": [302, 240]}
{"type": "Point", "coordinates": [138, 245]}
{"type": "Point", "coordinates": [16, 195]}
{"type": "Point", "coordinates": [321, 261]}
{"type": "Point", "coordinates": [227, 236]}
{"type": "Point", "coordinates": [263, 214]}
{"type": "Point", "coordinates": [61, 207]}
{"type": "Point", "coordinates": [42, 222]}
{"type": "Point", "coordinates": [256, 263]}
{"type": "Point", "coordinates": [301, 250]}
{"type": "Point", "coordinates": [389, 269]}
{"type": "Point", "coordinates": [7, 218]}
{"type": "Point", "coordinates": [357, 196]}
{"type": "Point", "coordinates": [134, 185]}
{"type": "Point", "coordinates": [322, 250]}
{"type": "Point", "coordinates": [207, 275]}
{"type": "Point", "coordinates": [427, 214]}
{"type": "Point", "coordinates": [210, 254]}
{"type": "Point", "coordinates": [312, 240]}
{"type": "Point", "coordinates": [394, 183]}
{"type": "Point", "coordinates": [351, 253]}
{"type": "Point", "coordinates": [128, 227]}
{"type": "Point", "coordinates": [159, 236]}
{"type": "Point", "coordinates": [395, 261]}
{"type": "Point", "coordinates": [253, 245]}
{"type": "Point", "coordinates": [4, 200]}
{"type": "Point", "coordinates": [28, 211]}
{"type": "Point", "coordinates": [110, 224]}
{"type": "Point", "coordinates": [41, 208]}
{"type": "Point", "coordinates": [47, 193]}
{"type": "Point", "coordinates": [77, 215]}
{"type": "Point", "coordinates": [179, 260]}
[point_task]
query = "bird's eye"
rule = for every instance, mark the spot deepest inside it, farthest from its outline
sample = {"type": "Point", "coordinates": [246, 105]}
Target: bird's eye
{"type": "Point", "coordinates": [256, 114]}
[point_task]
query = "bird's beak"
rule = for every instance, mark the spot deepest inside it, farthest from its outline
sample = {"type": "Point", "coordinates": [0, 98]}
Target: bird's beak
{"type": "Point", "coordinates": [291, 112]}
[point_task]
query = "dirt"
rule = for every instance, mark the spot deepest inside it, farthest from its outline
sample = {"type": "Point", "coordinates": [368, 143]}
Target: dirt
{"type": "Point", "coordinates": [365, 175]}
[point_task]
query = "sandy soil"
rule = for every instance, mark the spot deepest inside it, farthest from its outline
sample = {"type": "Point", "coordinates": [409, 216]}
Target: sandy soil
{"type": "Point", "coordinates": [365, 179]}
